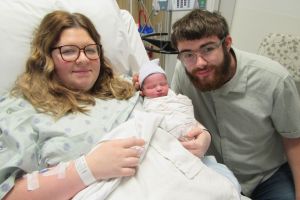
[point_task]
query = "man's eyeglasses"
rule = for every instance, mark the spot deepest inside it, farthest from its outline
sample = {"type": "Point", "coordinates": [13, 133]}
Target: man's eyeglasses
{"type": "Point", "coordinates": [190, 57]}
{"type": "Point", "coordinates": [71, 52]}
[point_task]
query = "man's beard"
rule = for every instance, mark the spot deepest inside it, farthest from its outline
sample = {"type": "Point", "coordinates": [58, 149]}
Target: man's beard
{"type": "Point", "coordinates": [221, 75]}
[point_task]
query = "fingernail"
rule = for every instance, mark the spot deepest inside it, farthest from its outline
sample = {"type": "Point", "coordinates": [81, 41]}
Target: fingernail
{"type": "Point", "coordinates": [139, 149]}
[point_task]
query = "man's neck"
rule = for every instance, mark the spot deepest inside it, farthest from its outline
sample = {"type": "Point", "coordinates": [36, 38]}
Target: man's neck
{"type": "Point", "coordinates": [233, 65]}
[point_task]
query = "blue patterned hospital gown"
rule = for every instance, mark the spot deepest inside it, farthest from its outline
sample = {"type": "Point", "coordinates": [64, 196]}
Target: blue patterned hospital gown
{"type": "Point", "coordinates": [31, 141]}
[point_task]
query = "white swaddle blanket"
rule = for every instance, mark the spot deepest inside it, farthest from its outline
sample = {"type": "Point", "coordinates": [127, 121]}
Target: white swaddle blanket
{"type": "Point", "coordinates": [167, 170]}
{"type": "Point", "coordinates": [141, 125]}
{"type": "Point", "coordinates": [177, 110]}
{"type": "Point", "coordinates": [178, 120]}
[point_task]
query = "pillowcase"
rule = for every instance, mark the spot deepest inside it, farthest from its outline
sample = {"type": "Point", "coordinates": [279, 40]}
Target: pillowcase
{"type": "Point", "coordinates": [19, 18]}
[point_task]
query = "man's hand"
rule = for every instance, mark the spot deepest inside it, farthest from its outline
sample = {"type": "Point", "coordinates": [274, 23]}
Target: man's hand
{"type": "Point", "coordinates": [196, 141]}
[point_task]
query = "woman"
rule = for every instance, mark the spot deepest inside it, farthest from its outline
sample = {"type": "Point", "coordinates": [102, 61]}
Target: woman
{"type": "Point", "coordinates": [59, 108]}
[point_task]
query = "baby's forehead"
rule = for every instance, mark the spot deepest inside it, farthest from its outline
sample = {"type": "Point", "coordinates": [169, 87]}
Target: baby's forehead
{"type": "Point", "coordinates": [156, 78]}
{"type": "Point", "coordinates": [157, 75]}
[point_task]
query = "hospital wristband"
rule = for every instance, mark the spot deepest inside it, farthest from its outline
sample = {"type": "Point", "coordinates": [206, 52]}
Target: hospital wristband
{"type": "Point", "coordinates": [84, 171]}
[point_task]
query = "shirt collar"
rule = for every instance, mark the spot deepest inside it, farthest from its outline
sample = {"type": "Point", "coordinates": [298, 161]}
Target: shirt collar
{"type": "Point", "coordinates": [238, 82]}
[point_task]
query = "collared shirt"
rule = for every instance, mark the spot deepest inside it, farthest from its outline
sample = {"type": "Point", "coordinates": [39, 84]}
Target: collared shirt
{"type": "Point", "coordinates": [247, 116]}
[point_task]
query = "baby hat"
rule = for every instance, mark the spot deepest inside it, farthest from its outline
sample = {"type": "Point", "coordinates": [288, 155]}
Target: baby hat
{"type": "Point", "coordinates": [148, 68]}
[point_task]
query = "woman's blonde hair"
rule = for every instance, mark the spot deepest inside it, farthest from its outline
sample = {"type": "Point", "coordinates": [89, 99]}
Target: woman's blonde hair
{"type": "Point", "coordinates": [39, 85]}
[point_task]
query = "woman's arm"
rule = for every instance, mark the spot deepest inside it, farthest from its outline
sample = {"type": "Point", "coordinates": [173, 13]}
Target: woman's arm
{"type": "Point", "coordinates": [50, 187]}
{"type": "Point", "coordinates": [115, 158]}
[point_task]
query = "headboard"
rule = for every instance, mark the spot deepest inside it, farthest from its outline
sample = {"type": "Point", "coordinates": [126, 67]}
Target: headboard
{"type": "Point", "coordinates": [18, 19]}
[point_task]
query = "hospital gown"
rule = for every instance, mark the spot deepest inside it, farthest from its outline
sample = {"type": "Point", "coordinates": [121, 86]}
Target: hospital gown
{"type": "Point", "coordinates": [31, 141]}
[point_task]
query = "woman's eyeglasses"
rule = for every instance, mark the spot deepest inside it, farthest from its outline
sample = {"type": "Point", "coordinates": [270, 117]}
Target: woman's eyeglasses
{"type": "Point", "coordinates": [71, 52]}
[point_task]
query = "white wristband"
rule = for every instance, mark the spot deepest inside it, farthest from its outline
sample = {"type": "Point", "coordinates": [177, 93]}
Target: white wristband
{"type": "Point", "coordinates": [84, 171]}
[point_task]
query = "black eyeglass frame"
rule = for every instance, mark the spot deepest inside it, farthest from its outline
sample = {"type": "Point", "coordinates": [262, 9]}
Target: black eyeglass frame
{"type": "Point", "coordinates": [99, 48]}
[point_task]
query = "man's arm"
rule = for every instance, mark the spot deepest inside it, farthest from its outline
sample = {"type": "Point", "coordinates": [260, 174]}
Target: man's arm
{"type": "Point", "coordinates": [292, 148]}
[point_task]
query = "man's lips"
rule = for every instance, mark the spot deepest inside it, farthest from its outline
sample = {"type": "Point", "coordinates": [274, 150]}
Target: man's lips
{"type": "Point", "coordinates": [202, 72]}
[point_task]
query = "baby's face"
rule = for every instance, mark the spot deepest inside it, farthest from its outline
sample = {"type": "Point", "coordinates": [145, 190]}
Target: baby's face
{"type": "Point", "coordinates": [155, 85]}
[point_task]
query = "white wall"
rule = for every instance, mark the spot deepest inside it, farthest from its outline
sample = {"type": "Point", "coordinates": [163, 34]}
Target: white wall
{"type": "Point", "coordinates": [171, 59]}
{"type": "Point", "coordinates": [226, 8]}
{"type": "Point", "coordinates": [253, 19]}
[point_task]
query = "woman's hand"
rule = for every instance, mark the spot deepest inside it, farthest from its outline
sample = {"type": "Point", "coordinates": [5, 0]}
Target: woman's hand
{"type": "Point", "coordinates": [135, 82]}
{"type": "Point", "coordinates": [115, 158]}
{"type": "Point", "coordinates": [196, 141]}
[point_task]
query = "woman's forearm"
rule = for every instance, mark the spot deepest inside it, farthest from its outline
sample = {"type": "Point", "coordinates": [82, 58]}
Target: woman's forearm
{"type": "Point", "coordinates": [117, 158]}
{"type": "Point", "coordinates": [50, 187]}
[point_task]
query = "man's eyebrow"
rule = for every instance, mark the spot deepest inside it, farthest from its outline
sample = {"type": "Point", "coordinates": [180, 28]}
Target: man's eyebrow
{"type": "Point", "coordinates": [201, 46]}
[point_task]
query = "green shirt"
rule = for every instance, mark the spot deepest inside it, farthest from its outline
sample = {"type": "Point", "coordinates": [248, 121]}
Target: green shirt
{"type": "Point", "coordinates": [247, 116]}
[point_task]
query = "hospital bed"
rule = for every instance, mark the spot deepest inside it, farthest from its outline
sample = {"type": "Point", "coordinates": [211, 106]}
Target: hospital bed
{"type": "Point", "coordinates": [119, 36]}
{"type": "Point", "coordinates": [120, 39]}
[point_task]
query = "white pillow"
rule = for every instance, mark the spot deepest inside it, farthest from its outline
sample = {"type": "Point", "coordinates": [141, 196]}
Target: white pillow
{"type": "Point", "coordinates": [17, 21]}
{"type": "Point", "coordinates": [19, 18]}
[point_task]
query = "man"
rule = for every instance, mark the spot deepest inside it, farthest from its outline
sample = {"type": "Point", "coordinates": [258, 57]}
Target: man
{"type": "Point", "coordinates": [249, 103]}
